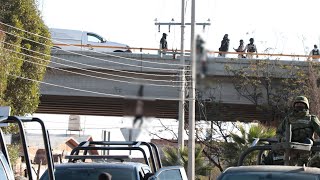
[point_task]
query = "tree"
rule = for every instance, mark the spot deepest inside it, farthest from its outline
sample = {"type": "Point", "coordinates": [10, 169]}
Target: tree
{"type": "Point", "coordinates": [313, 87]}
{"type": "Point", "coordinates": [269, 85]}
{"type": "Point", "coordinates": [26, 55]}
{"type": "Point", "coordinates": [172, 158]}
{"type": "Point", "coordinates": [3, 70]}
{"type": "Point", "coordinates": [21, 55]}
{"type": "Point", "coordinates": [243, 141]}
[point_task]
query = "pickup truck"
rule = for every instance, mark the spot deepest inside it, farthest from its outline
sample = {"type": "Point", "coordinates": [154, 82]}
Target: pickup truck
{"type": "Point", "coordinates": [77, 168]}
{"type": "Point", "coordinates": [270, 172]}
{"type": "Point", "coordinates": [75, 40]}
{"type": "Point", "coordinates": [6, 172]}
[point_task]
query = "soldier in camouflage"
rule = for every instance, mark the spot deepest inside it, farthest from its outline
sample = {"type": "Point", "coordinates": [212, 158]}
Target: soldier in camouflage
{"type": "Point", "coordinates": [303, 124]}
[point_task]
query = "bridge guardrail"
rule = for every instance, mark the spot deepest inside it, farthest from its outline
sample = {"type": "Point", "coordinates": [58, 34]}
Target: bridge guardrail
{"type": "Point", "coordinates": [176, 52]}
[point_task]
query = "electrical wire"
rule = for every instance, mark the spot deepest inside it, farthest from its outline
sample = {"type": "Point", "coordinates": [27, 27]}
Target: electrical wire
{"type": "Point", "coordinates": [121, 57]}
{"type": "Point", "coordinates": [99, 59]}
{"type": "Point", "coordinates": [82, 89]}
{"type": "Point", "coordinates": [87, 75]}
{"type": "Point", "coordinates": [123, 71]}
{"type": "Point", "coordinates": [82, 74]}
{"type": "Point", "coordinates": [95, 92]}
{"type": "Point", "coordinates": [98, 72]}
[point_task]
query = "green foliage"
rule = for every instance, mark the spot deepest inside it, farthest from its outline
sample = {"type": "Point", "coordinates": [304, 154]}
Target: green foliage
{"type": "Point", "coordinates": [11, 129]}
{"type": "Point", "coordinates": [172, 158]}
{"type": "Point", "coordinates": [241, 142]}
{"type": "Point", "coordinates": [4, 69]}
{"type": "Point", "coordinates": [13, 150]}
{"type": "Point", "coordinates": [21, 55]}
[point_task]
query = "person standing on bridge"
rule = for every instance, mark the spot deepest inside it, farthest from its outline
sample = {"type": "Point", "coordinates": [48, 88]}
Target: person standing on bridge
{"type": "Point", "coordinates": [224, 46]}
{"type": "Point", "coordinates": [201, 55]}
{"type": "Point", "coordinates": [251, 48]}
{"type": "Point", "coordinates": [240, 50]}
{"type": "Point", "coordinates": [163, 44]}
{"type": "Point", "coordinates": [315, 53]}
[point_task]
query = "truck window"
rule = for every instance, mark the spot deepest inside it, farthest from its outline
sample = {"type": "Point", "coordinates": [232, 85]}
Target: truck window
{"type": "Point", "coordinates": [269, 176]}
{"type": "Point", "coordinates": [94, 38]}
{"type": "Point", "coordinates": [173, 174]}
{"type": "Point", "coordinates": [90, 174]}
{"type": "Point", "coordinates": [3, 174]}
{"type": "Point", "coordinates": [5, 169]}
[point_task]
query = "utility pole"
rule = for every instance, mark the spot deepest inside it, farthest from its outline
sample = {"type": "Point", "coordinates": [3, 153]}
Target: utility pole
{"type": "Point", "coordinates": [182, 79]}
{"type": "Point", "coordinates": [182, 72]}
{"type": "Point", "coordinates": [191, 141]}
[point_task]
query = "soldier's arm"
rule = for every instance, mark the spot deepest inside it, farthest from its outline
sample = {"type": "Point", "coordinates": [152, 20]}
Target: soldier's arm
{"type": "Point", "coordinates": [316, 124]}
{"type": "Point", "coordinates": [281, 129]}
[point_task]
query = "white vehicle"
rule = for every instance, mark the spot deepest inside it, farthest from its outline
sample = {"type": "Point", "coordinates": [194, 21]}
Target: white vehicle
{"type": "Point", "coordinates": [75, 40]}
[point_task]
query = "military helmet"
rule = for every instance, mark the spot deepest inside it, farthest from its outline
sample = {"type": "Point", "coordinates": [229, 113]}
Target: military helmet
{"type": "Point", "coordinates": [301, 99]}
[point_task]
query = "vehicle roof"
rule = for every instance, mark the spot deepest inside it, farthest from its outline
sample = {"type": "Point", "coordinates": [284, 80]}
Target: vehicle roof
{"type": "Point", "coordinates": [64, 30]}
{"type": "Point", "coordinates": [264, 168]}
{"type": "Point", "coordinates": [101, 165]}
{"type": "Point", "coordinates": [66, 34]}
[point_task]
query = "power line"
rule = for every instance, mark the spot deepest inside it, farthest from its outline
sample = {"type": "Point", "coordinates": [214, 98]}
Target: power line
{"type": "Point", "coordinates": [94, 92]}
{"type": "Point", "coordinates": [87, 75]}
{"type": "Point", "coordinates": [99, 59]}
{"type": "Point", "coordinates": [169, 64]}
{"type": "Point", "coordinates": [123, 71]}
{"type": "Point", "coordinates": [88, 70]}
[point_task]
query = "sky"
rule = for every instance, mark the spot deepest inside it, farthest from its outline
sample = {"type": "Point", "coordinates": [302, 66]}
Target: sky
{"type": "Point", "coordinates": [279, 26]}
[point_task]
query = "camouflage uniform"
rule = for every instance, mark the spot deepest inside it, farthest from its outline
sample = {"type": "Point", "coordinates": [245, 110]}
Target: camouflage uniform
{"type": "Point", "coordinates": [303, 127]}
{"type": "Point", "coordinates": [314, 161]}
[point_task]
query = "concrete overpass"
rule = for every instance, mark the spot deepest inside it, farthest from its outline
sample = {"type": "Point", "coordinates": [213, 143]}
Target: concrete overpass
{"type": "Point", "coordinates": [78, 89]}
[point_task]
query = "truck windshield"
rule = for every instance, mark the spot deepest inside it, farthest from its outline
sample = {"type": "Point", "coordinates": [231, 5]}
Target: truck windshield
{"type": "Point", "coordinates": [90, 174]}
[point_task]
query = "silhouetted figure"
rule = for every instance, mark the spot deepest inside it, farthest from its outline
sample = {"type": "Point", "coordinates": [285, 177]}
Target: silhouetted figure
{"type": "Point", "coordinates": [199, 45]}
{"type": "Point", "coordinates": [240, 49]}
{"type": "Point", "coordinates": [105, 176]}
{"type": "Point", "coordinates": [200, 51]}
{"type": "Point", "coordinates": [139, 108]}
{"type": "Point", "coordinates": [163, 44]}
{"type": "Point", "coordinates": [224, 45]}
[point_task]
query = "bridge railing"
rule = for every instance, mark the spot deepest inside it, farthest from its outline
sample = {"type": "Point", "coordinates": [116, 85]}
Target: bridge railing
{"type": "Point", "coordinates": [175, 53]}
{"type": "Point", "coordinates": [271, 56]}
